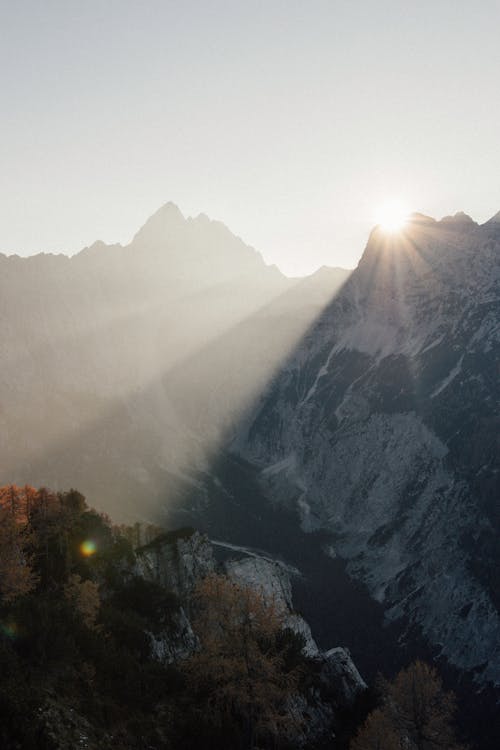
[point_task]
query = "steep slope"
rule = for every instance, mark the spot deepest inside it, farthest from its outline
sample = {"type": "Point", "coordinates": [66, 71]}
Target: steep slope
{"type": "Point", "coordinates": [382, 428]}
{"type": "Point", "coordinates": [105, 354]}
{"type": "Point", "coordinates": [182, 563]}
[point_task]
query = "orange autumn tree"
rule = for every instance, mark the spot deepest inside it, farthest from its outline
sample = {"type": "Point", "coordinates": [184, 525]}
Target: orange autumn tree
{"type": "Point", "coordinates": [377, 733]}
{"type": "Point", "coordinates": [16, 573]}
{"type": "Point", "coordinates": [417, 714]}
{"type": "Point", "coordinates": [240, 672]}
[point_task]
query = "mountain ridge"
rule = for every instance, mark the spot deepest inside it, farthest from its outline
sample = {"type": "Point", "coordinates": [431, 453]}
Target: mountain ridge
{"type": "Point", "coordinates": [358, 426]}
{"type": "Point", "coordinates": [368, 400]}
{"type": "Point", "coordinates": [94, 344]}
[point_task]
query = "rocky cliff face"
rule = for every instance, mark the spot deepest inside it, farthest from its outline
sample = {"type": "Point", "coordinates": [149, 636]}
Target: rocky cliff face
{"type": "Point", "coordinates": [178, 561]}
{"type": "Point", "coordinates": [272, 580]}
{"type": "Point", "coordinates": [382, 427]}
{"type": "Point", "coordinates": [181, 563]}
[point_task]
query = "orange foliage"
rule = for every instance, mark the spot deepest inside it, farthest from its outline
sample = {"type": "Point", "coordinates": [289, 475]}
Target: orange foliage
{"type": "Point", "coordinates": [238, 667]}
{"type": "Point", "coordinates": [16, 575]}
{"type": "Point", "coordinates": [417, 714]}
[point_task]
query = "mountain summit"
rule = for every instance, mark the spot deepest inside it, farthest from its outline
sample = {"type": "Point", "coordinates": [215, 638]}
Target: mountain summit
{"type": "Point", "coordinates": [494, 219]}
{"type": "Point", "coordinates": [160, 226]}
{"type": "Point", "coordinates": [195, 248]}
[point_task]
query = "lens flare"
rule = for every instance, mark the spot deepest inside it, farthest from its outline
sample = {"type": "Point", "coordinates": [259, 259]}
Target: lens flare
{"type": "Point", "coordinates": [9, 629]}
{"type": "Point", "coordinates": [88, 548]}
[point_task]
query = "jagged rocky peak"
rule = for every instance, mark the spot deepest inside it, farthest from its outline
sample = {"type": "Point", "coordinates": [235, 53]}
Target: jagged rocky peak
{"type": "Point", "coordinates": [195, 247]}
{"type": "Point", "coordinates": [201, 218]}
{"type": "Point", "coordinates": [161, 226]}
{"type": "Point", "coordinates": [424, 246]}
{"type": "Point", "coordinates": [414, 223]}
{"type": "Point", "coordinates": [495, 219]}
{"type": "Point", "coordinates": [95, 247]}
{"type": "Point", "coordinates": [98, 252]}
{"type": "Point", "coordinates": [417, 218]}
{"type": "Point", "coordinates": [460, 219]}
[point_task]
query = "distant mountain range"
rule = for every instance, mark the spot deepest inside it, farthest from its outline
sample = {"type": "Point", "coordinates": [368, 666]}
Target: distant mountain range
{"type": "Point", "coordinates": [123, 366]}
{"type": "Point", "coordinates": [365, 404]}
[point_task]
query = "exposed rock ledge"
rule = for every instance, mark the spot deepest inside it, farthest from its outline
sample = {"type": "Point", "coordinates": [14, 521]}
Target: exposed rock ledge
{"type": "Point", "coordinates": [180, 562]}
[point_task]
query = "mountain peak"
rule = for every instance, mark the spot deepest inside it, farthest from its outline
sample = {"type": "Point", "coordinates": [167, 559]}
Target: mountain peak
{"type": "Point", "coordinates": [417, 218]}
{"type": "Point", "coordinates": [169, 209]}
{"type": "Point", "coordinates": [460, 218]}
{"type": "Point", "coordinates": [162, 224]}
{"type": "Point", "coordinates": [494, 219]}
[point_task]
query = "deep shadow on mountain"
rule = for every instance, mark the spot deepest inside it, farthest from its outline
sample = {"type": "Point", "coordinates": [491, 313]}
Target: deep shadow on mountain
{"type": "Point", "coordinates": [231, 505]}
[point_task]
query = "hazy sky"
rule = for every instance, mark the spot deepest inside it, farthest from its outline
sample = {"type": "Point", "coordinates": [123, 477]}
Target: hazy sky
{"type": "Point", "coordinates": [289, 121]}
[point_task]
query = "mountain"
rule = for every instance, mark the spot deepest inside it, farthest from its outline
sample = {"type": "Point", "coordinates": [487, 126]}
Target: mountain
{"type": "Point", "coordinates": [382, 429]}
{"type": "Point", "coordinates": [345, 422]}
{"type": "Point", "coordinates": [112, 377]}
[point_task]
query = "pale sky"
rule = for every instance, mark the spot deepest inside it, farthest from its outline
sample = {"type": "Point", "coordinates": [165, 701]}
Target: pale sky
{"type": "Point", "coordinates": [291, 122]}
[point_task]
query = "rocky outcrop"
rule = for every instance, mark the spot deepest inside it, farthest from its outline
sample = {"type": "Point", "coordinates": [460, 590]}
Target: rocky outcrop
{"type": "Point", "coordinates": [272, 580]}
{"type": "Point", "coordinates": [178, 642]}
{"type": "Point", "coordinates": [268, 578]}
{"type": "Point", "coordinates": [180, 561]}
{"type": "Point", "coordinates": [177, 561]}
{"type": "Point", "coordinates": [342, 677]}
{"type": "Point", "coordinates": [313, 716]}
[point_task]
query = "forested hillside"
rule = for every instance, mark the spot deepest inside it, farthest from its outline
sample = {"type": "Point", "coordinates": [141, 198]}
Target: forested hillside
{"type": "Point", "coordinates": [132, 637]}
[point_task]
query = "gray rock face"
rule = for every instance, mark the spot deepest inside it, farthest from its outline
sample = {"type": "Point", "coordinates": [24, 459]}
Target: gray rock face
{"type": "Point", "coordinates": [272, 580]}
{"type": "Point", "coordinates": [177, 564]}
{"type": "Point", "coordinates": [383, 429]}
{"type": "Point", "coordinates": [338, 671]}
{"type": "Point", "coordinates": [180, 564]}
{"type": "Point", "coordinates": [177, 643]}
{"type": "Point", "coordinates": [63, 728]}
{"type": "Point", "coordinates": [269, 579]}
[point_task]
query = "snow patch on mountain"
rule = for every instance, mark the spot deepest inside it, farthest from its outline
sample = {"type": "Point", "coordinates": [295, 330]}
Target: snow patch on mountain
{"type": "Point", "coordinates": [449, 378]}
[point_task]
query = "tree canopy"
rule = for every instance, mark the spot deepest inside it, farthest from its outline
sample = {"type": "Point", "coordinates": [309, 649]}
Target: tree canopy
{"type": "Point", "coordinates": [416, 714]}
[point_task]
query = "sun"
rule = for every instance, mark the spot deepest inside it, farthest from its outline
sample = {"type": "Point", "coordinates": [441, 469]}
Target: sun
{"type": "Point", "coordinates": [392, 216]}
